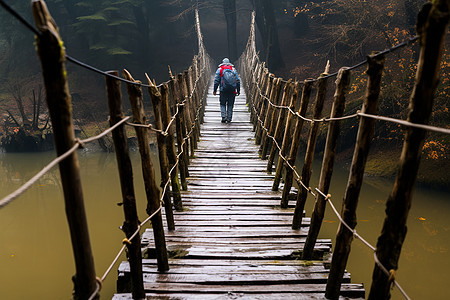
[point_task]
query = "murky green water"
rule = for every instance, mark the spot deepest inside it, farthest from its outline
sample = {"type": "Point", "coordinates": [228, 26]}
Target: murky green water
{"type": "Point", "coordinates": [36, 260]}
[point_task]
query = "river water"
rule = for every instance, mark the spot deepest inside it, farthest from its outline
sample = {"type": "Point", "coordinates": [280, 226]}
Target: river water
{"type": "Point", "coordinates": [36, 260]}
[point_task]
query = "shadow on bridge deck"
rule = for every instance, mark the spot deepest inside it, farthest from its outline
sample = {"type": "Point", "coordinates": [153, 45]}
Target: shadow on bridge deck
{"type": "Point", "coordinates": [232, 240]}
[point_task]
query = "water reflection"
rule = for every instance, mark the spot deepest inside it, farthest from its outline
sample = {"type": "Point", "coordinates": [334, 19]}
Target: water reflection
{"type": "Point", "coordinates": [36, 249]}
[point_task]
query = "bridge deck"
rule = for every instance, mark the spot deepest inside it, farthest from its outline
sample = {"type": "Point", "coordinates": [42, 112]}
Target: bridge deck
{"type": "Point", "coordinates": [233, 240]}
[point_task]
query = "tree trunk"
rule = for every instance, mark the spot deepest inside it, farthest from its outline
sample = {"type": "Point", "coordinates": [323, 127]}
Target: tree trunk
{"type": "Point", "coordinates": [229, 8]}
{"type": "Point", "coordinates": [267, 25]}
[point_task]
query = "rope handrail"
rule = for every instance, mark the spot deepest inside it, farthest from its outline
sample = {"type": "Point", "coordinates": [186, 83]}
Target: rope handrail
{"type": "Point", "coordinates": [365, 242]}
{"type": "Point", "coordinates": [78, 143]}
{"type": "Point", "coordinates": [357, 114]}
{"type": "Point", "coordinates": [298, 177]}
{"type": "Point", "coordinates": [406, 123]}
{"type": "Point", "coordinates": [166, 131]}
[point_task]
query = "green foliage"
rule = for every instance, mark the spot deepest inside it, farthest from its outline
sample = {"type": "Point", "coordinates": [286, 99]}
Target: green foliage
{"type": "Point", "coordinates": [118, 51]}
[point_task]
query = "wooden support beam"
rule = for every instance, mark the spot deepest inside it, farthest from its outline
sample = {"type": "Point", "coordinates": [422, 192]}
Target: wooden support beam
{"type": "Point", "coordinates": [156, 96]}
{"type": "Point", "coordinates": [131, 224]}
{"type": "Point", "coordinates": [51, 52]}
{"type": "Point", "coordinates": [432, 30]}
{"type": "Point", "coordinates": [306, 94]}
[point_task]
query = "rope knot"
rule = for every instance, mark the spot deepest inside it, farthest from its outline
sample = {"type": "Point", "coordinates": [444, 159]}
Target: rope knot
{"type": "Point", "coordinates": [80, 142]}
{"type": "Point", "coordinates": [100, 283]}
{"type": "Point", "coordinates": [391, 277]}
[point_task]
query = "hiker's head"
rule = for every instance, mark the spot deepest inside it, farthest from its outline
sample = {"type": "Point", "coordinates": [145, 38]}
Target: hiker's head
{"type": "Point", "coordinates": [226, 61]}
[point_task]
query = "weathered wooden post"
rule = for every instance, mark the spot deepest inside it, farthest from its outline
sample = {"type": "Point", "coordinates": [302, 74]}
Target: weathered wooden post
{"type": "Point", "coordinates": [257, 80]}
{"type": "Point", "coordinates": [148, 172]}
{"type": "Point", "coordinates": [186, 124]}
{"type": "Point", "coordinates": [271, 115]}
{"type": "Point", "coordinates": [342, 83]}
{"type": "Point", "coordinates": [173, 85]}
{"type": "Point", "coordinates": [286, 138]}
{"type": "Point", "coordinates": [192, 106]}
{"type": "Point", "coordinates": [302, 194]}
{"type": "Point", "coordinates": [131, 224]}
{"type": "Point", "coordinates": [51, 52]}
{"type": "Point", "coordinates": [432, 30]}
{"type": "Point", "coordinates": [280, 124]}
{"type": "Point", "coordinates": [171, 153]}
{"type": "Point", "coordinates": [191, 114]}
{"type": "Point", "coordinates": [155, 95]}
{"type": "Point", "coordinates": [196, 94]}
{"type": "Point", "coordinates": [306, 94]}
{"type": "Point", "coordinates": [344, 237]}
{"type": "Point", "coordinates": [259, 103]}
{"type": "Point", "coordinates": [248, 79]}
{"type": "Point", "coordinates": [264, 106]}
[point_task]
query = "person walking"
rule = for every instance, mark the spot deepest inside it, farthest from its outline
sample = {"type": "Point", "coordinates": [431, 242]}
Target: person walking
{"type": "Point", "coordinates": [230, 85]}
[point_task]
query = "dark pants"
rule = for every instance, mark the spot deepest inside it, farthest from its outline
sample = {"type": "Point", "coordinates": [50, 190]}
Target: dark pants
{"type": "Point", "coordinates": [226, 105]}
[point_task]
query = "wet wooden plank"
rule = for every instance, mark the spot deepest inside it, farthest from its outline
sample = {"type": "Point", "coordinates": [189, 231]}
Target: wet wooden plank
{"type": "Point", "coordinates": [229, 295]}
{"type": "Point", "coordinates": [233, 262]}
{"type": "Point", "coordinates": [264, 288]}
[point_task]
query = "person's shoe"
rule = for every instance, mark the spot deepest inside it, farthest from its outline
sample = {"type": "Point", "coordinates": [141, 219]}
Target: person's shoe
{"type": "Point", "coordinates": [224, 120]}
{"type": "Point", "coordinates": [228, 121]}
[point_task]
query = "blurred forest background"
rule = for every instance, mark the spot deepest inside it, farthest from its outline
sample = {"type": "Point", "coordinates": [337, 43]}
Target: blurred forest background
{"type": "Point", "coordinates": [296, 38]}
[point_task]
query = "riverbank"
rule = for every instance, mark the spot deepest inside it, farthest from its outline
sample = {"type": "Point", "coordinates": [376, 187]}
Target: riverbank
{"type": "Point", "coordinates": [383, 163]}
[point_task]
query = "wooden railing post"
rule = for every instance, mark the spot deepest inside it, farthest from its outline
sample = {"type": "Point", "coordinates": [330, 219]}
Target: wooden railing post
{"type": "Point", "coordinates": [51, 53]}
{"type": "Point", "coordinates": [131, 223]}
{"type": "Point", "coordinates": [271, 115]}
{"type": "Point", "coordinates": [248, 79]}
{"type": "Point", "coordinates": [151, 189]}
{"type": "Point", "coordinates": [264, 104]}
{"type": "Point", "coordinates": [190, 111]}
{"type": "Point", "coordinates": [286, 138]}
{"type": "Point", "coordinates": [186, 124]}
{"type": "Point", "coordinates": [342, 82]}
{"type": "Point", "coordinates": [155, 95]}
{"type": "Point", "coordinates": [259, 102]}
{"type": "Point", "coordinates": [280, 124]}
{"type": "Point", "coordinates": [344, 237]}
{"type": "Point", "coordinates": [257, 79]}
{"type": "Point", "coordinates": [171, 153]}
{"type": "Point", "coordinates": [309, 156]}
{"type": "Point", "coordinates": [432, 36]}
{"type": "Point", "coordinates": [173, 85]}
{"type": "Point", "coordinates": [306, 94]}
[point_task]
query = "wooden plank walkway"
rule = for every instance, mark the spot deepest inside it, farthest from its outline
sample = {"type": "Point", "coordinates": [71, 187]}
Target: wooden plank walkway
{"type": "Point", "coordinates": [233, 240]}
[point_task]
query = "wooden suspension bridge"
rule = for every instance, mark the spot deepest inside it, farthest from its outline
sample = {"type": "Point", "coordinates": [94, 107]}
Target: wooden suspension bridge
{"type": "Point", "coordinates": [235, 233]}
{"type": "Point", "coordinates": [233, 239]}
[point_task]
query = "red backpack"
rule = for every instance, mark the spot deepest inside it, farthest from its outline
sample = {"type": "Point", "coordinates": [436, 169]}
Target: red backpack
{"type": "Point", "coordinates": [228, 81]}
